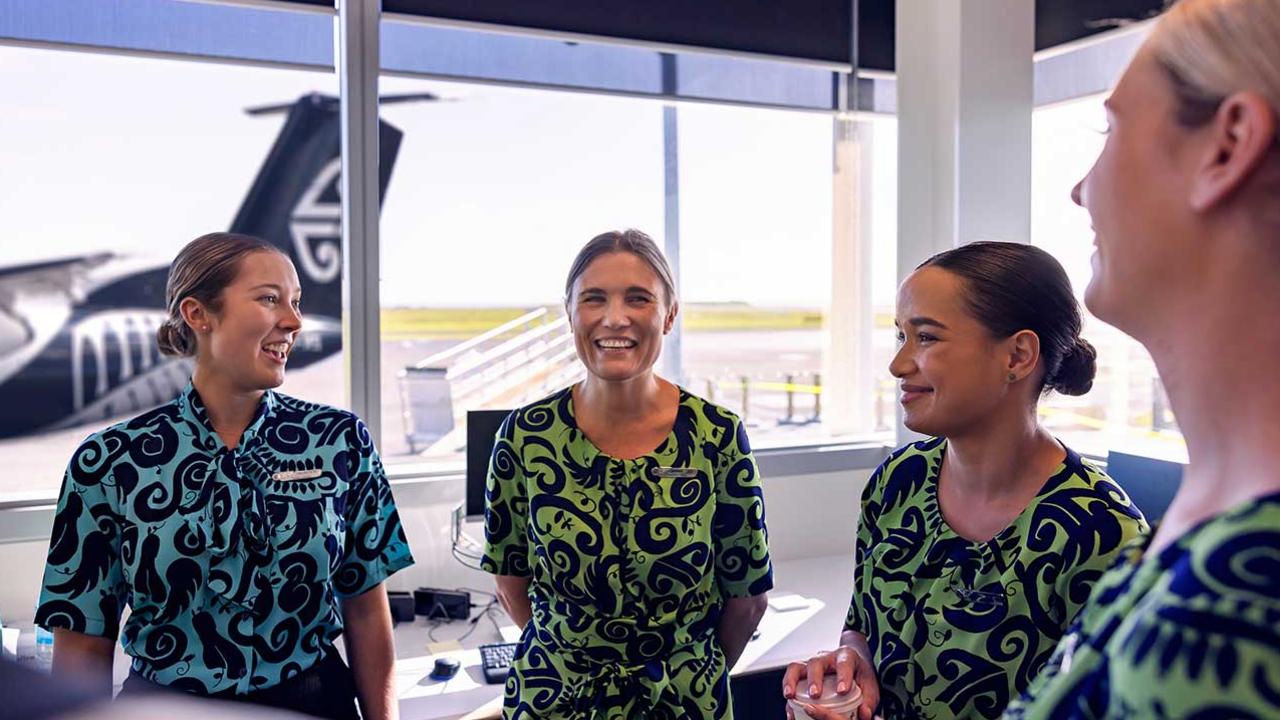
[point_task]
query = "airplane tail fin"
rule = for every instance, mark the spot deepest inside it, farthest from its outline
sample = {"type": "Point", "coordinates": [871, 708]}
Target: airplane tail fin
{"type": "Point", "coordinates": [294, 202]}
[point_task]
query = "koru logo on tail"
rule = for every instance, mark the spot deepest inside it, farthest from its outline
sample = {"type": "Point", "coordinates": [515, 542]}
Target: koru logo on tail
{"type": "Point", "coordinates": [316, 226]}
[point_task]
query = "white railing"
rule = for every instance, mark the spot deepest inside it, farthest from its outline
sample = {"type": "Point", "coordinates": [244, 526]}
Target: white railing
{"type": "Point", "coordinates": [506, 366]}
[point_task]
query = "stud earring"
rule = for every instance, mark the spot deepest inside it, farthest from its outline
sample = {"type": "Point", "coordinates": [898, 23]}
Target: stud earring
{"type": "Point", "coordinates": [1012, 377]}
{"type": "Point", "coordinates": [206, 329]}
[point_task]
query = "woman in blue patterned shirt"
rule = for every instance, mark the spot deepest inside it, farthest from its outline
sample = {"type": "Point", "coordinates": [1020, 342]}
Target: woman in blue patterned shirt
{"type": "Point", "coordinates": [245, 529]}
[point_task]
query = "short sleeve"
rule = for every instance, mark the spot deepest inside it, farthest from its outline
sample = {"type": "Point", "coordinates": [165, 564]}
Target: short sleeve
{"type": "Point", "coordinates": [84, 587]}
{"type": "Point", "coordinates": [856, 618]}
{"type": "Point", "coordinates": [743, 567]}
{"type": "Point", "coordinates": [376, 546]}
{"type": "Point", "coordinates": [506, 507]}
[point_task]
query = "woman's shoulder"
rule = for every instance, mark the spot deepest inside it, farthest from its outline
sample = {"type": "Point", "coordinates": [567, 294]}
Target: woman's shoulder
{"type": "Point", "coordinates": [541, 415]}
{"type": "Point", "coordinates": [706, 409]}
{"type": "Point", "coordinates": [1082, 476]}
{"type": "Point", "coordinates": [917, 459]}
{"type": "Point", "coordinates": [903, 474]}
{"type": "Point", "coordinates": [289, 408]}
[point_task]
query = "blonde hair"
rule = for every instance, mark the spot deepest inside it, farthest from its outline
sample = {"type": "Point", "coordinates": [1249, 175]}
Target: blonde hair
{"type": "Point", "coordinates": [202, 270]}
{"type": "Point", "coordinates": [1212, 49]}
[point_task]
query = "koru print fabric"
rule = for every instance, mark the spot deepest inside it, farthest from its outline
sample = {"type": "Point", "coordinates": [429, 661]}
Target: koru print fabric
{"type": "Point", "coordinates": [232, 561]}
{"type": "Point", "coordinates": [630, 561]}
{"type": "Point", "coordinates": [959, 628]}
{"type": "Point", "coordinates": [1192, 631]}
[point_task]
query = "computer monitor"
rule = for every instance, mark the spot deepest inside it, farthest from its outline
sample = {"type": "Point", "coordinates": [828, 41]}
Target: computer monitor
{"type": "Point", "coordinates": [482, 432]}
{"type": "Point", "coordinates": [1149, 482]}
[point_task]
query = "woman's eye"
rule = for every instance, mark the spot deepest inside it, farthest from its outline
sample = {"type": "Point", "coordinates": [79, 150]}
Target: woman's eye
{"type": "Point", "coordinates": [297, 304]}
{"type": "Point", "coordinates": [269, 299]}
{"type": "Point", "coordinates": [900, 337]}
{"type": "Point", "coordinates": [925, 337]}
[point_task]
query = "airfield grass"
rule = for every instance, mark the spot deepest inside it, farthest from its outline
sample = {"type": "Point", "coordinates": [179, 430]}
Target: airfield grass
{"type": "Point", "coordinates": [457, 323]}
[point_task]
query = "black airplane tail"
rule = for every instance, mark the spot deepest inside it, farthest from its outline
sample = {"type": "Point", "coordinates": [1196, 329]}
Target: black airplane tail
{"type": "Point", "coordinates": [294, 201]}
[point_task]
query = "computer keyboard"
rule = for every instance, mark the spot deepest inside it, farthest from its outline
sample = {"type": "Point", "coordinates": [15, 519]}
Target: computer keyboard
{"type": "Point", "coordinates": [496, 658]}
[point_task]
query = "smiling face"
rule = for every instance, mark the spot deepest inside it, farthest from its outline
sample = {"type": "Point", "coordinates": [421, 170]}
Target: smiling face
{"type": "Point", "coordinates": [619, 313]}
{"type": "Point", "coordinates": [250, 335]}
{"type": "Point", "coordinates": [1136, 197]}
{"type": "Point", "coordinates": [951, 371]}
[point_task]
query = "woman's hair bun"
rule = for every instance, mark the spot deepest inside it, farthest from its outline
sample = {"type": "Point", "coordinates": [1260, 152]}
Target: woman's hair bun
{"type": "Point", "coordinates": [176, 339]}
{"type": "Point", "coordinates": [1076, 372]}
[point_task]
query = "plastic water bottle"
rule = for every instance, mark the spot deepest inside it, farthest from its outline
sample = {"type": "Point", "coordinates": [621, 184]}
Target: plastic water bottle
{"type": "Point", "coordinates": [44, 649]}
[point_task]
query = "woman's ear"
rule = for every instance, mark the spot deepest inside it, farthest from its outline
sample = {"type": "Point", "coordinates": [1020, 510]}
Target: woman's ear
{"type": "Point", "coordinates": [670, 320]}
{"type": "Point", "coordinates": [1242, 134]}
{"type": "Point", "coordinates": [1024, 354]}
{"type": "Point", "coordinates": [195, 315]}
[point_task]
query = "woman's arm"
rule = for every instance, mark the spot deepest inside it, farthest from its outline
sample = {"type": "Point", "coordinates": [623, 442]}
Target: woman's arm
{"type": "Point", "coordinates": [513, 594]}
{"type": "Point", "coordinates": [84, 658]}
{"type": "Point", "coordinates": [366, 619]}
{"type": "Point", "coordinates": [737, 624]}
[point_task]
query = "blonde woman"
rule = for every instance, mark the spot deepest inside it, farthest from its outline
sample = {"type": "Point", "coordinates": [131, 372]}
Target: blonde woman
{"type": "Point", "coordinates": [1185, 201]}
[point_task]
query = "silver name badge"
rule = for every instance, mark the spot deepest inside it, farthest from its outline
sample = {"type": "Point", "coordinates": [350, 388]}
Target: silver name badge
{"type": "Point", "coordinates": [672, 472]}
{"type": "Point", "coordinates": [295, 475]}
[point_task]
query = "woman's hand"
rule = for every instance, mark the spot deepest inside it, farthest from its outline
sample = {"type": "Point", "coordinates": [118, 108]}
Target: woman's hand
{"type": "Point", "coordinates": [850, 668]}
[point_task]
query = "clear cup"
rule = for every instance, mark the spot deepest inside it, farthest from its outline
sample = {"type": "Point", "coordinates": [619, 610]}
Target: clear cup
{"type": "Point", "coordinates": [845, 705]}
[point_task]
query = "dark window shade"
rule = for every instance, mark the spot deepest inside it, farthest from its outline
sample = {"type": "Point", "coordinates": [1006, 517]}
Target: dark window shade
{"type": "Point", "coordinates": [817, 30]}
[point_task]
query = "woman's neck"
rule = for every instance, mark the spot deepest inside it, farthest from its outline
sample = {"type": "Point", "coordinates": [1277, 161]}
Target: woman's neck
{"type": "Point", "coordinates": [230, 409]}
{"type": "Point", "coordinates": [633, 399]}
{"type": "Point", "coordinates": [1217, 360]}
{"type": "Point", "coordinates": [997, 457]}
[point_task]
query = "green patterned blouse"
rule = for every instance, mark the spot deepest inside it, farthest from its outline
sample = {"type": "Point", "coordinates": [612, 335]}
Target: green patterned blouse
{"type": "Point", "coordinates": [630, 561]}
{"type": "Point", "coordinates": [1190, 632]}
{"type": "Point", "coordinates": [958, 628]}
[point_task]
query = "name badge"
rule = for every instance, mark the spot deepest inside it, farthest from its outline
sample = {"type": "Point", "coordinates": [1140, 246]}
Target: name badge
{"type": "Point", "coordinates": [674, 472]}
{"type": "Point", "coordinates": [295, 475]}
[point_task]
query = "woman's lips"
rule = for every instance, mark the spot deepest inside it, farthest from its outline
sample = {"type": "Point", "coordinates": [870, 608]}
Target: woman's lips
{"type": "Point", "coordinates": [913, 392]}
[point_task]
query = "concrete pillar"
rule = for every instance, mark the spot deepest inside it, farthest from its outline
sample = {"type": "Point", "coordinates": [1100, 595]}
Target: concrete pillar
{"type": "Point", "coordinates": [848, 378]}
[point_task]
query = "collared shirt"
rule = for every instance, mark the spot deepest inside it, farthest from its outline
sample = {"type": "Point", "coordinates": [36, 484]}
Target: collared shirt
{"type": "Point", "coordinates": [1192, 631]}
{"type": "Point", "coordinates": [958, 628]}
{"type": "Point", "coordinates": [232, 561]}
{"type": "Point", "coordinates": [630, 561]}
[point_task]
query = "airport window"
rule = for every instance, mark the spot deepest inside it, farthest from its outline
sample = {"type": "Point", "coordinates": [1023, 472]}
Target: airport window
{"type": "Point", "coordinates": [494, 191]}
{"type": "Point", "coordinates": [112, 163]}
{"type": "Point", "coordinates": [1127, 408]}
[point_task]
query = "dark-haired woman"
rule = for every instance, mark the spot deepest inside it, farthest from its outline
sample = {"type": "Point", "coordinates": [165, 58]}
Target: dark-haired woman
{"type": "Point", "coordinates": [625, 521]}
{"type": "Point", "coordinates": [977, 547]}
{"type": "Point", "coordinates": [245, 529]}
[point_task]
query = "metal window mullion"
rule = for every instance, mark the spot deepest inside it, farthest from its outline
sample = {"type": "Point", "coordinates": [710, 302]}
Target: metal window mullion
{"type": "Point", "coordinates": [358, 60]}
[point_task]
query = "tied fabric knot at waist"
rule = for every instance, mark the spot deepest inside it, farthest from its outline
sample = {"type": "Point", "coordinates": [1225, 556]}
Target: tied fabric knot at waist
{"type": "Point", "coordinates": [613, 684]}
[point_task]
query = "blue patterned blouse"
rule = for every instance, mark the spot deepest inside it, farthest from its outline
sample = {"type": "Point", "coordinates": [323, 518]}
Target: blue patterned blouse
{"type": "Point", "coordinates": [231, 560]}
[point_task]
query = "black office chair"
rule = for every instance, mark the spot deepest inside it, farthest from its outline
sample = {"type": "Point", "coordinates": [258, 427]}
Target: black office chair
{"type": "Point", "coordinates": [1150, 482]}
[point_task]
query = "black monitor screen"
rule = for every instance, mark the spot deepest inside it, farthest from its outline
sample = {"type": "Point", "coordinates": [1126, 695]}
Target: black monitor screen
{"type": "Point", "coordinates": [482, 431]}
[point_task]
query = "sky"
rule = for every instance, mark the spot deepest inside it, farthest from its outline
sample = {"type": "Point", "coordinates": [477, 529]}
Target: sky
{"type": "Point", "coordinates": [491, 196]}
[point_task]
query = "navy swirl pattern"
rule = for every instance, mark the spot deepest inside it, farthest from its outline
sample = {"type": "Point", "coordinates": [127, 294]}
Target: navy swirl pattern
{"type": "Point", "coordinates": [958, 628]}
{"type": "Point", "coordinates": [1192, 631]}
{"type": "Point", "coordinates": [630, 561]}
{"type": "Point", "coordinates": [232, 561]}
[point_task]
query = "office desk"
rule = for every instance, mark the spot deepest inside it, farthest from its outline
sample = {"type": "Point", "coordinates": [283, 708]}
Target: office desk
{"type": "Point", "coordinates": [825, 583]}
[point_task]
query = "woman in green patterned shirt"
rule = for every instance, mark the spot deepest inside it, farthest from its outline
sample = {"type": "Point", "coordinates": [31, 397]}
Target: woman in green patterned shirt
{"type": "Point", "coordinates": [624, 517]}
{"type": "Point", "coordinates": [976, 547]}
{"type": "Point", "coordinates": [1185, 201]}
